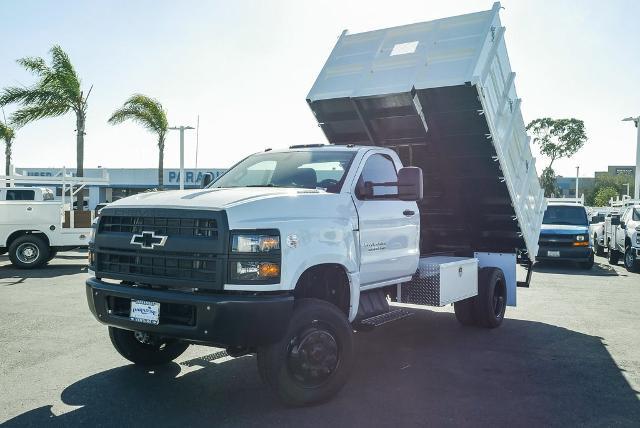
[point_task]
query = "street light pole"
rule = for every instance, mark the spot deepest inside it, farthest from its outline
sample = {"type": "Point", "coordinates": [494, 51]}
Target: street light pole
{"type": "Point", "coordinates": [181, 128]}
{"type": "Point", "coordinates": [636, 188]}
{"type": "Point", "coordinates": [577, 180]}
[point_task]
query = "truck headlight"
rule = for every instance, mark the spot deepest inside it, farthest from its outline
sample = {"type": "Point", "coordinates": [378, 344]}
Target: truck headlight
{"type": "Point", "coordinates": [254, 271]}
{"type": "Point", "coordinates": [255, 243]}
{"type": "Point", "coordinates": [580, 238]}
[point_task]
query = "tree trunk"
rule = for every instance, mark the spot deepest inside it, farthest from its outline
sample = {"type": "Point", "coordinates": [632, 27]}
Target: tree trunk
{"type": "Point", "coordinates": [7, 158]}
{"type": "Point", "coordinates": [80, 121]}
{"type": "Point", "coordinates": [160, 163]}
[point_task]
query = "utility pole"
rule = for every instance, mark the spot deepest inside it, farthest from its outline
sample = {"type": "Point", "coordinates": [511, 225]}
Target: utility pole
{"type": "Point", "coordinates": [636, 188]}
{"type": "Point", "coordinates": [181, 128]}
{"type": "Point", "coordinates": [577, 180]}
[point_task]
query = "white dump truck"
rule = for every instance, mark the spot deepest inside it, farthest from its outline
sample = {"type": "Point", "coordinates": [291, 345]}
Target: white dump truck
{"type": "Point", "coordinates": [427, 194]}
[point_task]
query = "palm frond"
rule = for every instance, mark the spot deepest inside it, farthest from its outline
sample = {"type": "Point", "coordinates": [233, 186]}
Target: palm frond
{"type": "Point", "coordinates": [36, 65]}
{"type": "Point", "coordinates": [143, 110]}
{"type": "Point", "coordinates": [29, 114]}
{"type": "Point", "coordinates": [27, 96]}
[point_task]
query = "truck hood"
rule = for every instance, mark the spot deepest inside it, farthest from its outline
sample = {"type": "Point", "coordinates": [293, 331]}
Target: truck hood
{"type": "Point", "coordinates": [208, 198]}
{"type": "Point", "coordinates": [563, 229]}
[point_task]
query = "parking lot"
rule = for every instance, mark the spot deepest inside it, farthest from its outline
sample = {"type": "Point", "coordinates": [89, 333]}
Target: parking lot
{"type": "Point", "coordinates": [569, 354]}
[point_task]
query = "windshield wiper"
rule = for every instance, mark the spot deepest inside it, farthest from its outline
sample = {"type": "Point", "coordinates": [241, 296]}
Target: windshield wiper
{"type": "Point", "coordinates": [260, 185]}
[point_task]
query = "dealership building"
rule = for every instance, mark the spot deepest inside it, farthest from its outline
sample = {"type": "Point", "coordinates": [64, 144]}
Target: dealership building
{"type": "Point", "coordinates": [120, 182]}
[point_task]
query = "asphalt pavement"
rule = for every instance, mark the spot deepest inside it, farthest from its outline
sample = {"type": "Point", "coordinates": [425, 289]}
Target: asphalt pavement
{"type": "Point", "coordinates": [568, 355]}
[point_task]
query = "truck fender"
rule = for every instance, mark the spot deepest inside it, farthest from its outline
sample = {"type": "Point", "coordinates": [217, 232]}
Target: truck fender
{"type": "Point", "coordinates": [350, 268]}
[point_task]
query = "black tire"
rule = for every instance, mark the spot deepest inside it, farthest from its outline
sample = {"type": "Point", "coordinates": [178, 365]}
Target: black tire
{"type": "Point", "coordinates": [156, 352]}
{"type": "Point", "coordinates": [588, 264]}
{"type": "Point", "coordinates": [597, 248]}
{"type": "Point", "coordinates": [613, 256]}
{"type": "Point", "coordinates": [630, 262]}
{"type": "Point", "coordinates": [491, 302]}
{"type": "Point", "coordinates": [28, 252]}
{"type": "Point", "coordinates": [319, 334]}
{"type": "Point", "coordinates": [465, 311]}
{"type": "Point", "coordinates": [52, 253]}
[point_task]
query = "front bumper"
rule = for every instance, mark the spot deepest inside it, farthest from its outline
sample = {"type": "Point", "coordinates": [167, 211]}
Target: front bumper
{"type": "Point", "coordinates": [225, 320]}
{"type": "Point", "coordinates": [574, 254]}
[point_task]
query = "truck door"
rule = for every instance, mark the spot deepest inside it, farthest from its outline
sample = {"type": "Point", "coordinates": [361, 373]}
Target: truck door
{"type": "Point", "coordinates": [388, 227]}
{"type": "Point", "coordinates": [621, 233]}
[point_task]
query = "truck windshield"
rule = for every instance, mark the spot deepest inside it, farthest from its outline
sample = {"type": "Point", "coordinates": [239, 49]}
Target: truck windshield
{"type": "Point", "coordinates": [562, 214]}
{"type": "Point", "coordinates": [302, 169]}
{"type": "Point", "coordinates": [636, 214]}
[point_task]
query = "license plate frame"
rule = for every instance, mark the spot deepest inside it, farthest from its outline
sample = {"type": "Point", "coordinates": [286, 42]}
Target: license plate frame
{"type": "Point", "coordinates": [553, 253]}
{"type": "Point", "coordinates": [145, 312]}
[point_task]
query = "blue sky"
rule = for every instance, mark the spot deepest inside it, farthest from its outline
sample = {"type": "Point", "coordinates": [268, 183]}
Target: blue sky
{"type": "Point", "coordinates": [246, 66]}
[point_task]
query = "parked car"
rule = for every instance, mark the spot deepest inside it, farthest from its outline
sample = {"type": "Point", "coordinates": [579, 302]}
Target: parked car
{"type": "Point", "coordinates": [564, 235]}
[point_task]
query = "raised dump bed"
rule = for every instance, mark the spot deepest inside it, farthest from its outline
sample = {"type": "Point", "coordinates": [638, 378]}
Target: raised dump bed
{"type": "Point", "coordinates": [442, 94]}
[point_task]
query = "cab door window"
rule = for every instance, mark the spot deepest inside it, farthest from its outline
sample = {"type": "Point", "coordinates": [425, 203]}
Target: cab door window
{"type": "Point", "coordinates": [379, 169]}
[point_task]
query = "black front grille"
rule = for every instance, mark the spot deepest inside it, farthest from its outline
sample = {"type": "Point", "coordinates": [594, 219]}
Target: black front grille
{"type": "Point", "coordinates": [184, 266]}
{"type": "Point", "coordinates": [192, 250]}
{"type": "Point", "coordinates": [551, 240]}
{"type": "Point", "coordinates": [175, 226]}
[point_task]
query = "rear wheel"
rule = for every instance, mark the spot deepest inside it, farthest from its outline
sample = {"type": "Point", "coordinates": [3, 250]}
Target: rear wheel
{"type": "Point", "coordinates": [613, 256]}
{"type": "Point", "coordinates": [491, 302]}
{"type": "Point", "coordinates": [52, 254]}
{"type": "Point", "coordinates": [630, 262]}
{"type": "Point", "coordinates": [28, 252]}
{"type": "Point", "coordinates": [313, 359]}
{"type": "Point", "coordinates": [145, 349]}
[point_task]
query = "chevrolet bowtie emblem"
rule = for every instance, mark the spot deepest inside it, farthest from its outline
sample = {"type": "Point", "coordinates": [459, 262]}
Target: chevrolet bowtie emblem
{"type": "Point", "coordinates": [148, 240]}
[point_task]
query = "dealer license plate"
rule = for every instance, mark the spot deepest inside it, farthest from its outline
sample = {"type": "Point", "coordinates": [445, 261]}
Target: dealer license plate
{"type": "Point", "coordinates": [553, 253]}
{"type": "Point", "coordinates": [145, 312]}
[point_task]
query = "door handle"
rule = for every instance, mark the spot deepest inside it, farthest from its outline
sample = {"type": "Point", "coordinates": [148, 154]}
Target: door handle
{"type": "Point", "coordinates": [408, 213]}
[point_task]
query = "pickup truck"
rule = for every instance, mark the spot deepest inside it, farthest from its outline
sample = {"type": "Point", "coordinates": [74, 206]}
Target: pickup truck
{"type": "Point", "coordinates": [427, 194]}
{"type": "Point", "coordinates": [623, 236]}
{"type": "Point", "coordinates": [597, 218]}
{"type": "Point", "coordinates": [33, 227]}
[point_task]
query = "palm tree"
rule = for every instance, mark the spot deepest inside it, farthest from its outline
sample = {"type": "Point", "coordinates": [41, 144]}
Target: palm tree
{"type": "Point", "coordinates": [57, 91]}
{"type": "Point", "coordinates": [7, 134]}
{"type": "Point", "coordinates": [149, 113]}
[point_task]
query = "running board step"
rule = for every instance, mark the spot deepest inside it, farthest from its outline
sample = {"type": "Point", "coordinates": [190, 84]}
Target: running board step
{"type": "Point", "coordinates": [387, 317]}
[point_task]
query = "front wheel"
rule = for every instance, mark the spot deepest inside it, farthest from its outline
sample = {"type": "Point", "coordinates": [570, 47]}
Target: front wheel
{"type": "Point", "coordinates": [588, 264]}
{"type": "Point", "coordinates": [597, 248]}
{"type": "Point", "coordinates": [313, 360]}
{"type": "Point", "coordinates": [145, 349]}
{"type": "Point", "coordinates": [630, 262]}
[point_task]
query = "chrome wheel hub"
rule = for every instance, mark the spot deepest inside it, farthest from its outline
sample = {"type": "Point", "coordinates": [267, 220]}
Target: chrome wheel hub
{"type": "Point", "coordinates": [27, 252]}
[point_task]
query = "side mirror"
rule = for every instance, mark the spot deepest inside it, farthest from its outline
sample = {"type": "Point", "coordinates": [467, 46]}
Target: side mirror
{"type": "Point", "coordinates": [365, 189]}
{"type": "Point", "coordinates": [615, 220]}
{"type": "Point", "coordinates": [594, 219]}
{"type": "Point", "coordinates": [622, 225]}
{"type": "Point", "coordinates": [207, 178]}
{"type": "Point", "coordinates": [410, 187]}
